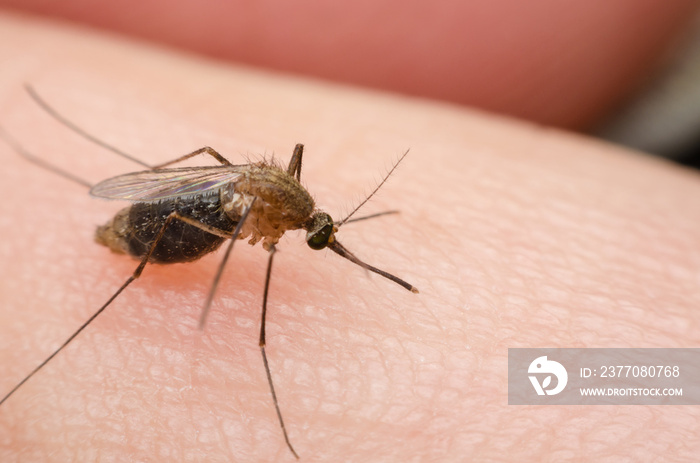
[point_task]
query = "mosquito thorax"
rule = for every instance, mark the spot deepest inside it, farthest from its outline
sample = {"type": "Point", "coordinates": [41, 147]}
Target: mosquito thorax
{"type": "Point", "coordinates": [320, 231]}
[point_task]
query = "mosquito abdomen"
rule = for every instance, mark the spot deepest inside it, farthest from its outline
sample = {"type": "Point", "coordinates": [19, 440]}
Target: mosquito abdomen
{"type": "Point", "coordinates": [134, 228]}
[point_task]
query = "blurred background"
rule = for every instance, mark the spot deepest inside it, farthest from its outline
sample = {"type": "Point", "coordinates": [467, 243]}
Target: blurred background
{"type": "Point", "coordinates": [624, 70]}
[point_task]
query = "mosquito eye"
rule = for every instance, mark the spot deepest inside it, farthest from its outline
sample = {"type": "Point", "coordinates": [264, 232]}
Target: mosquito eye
{"type": "Point", "coordinates": [319, 240]}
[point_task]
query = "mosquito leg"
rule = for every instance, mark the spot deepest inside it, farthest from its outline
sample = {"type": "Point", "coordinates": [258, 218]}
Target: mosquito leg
{"type": "Point", "coordinates": [40, 162]}
{"type": "Point", "coordinates": [76, 333]}
{"type": "Point", "coordinates": [72, 126]}
{"type": "Point", "coordinates": [214, 231]}
{"type": "Point", "coordinates": [277, 407]}
{"type": "Point", "coordinates": [63, 120]}
{"type": "Point", "coordinates": [222, 265]}
{"type": "Point", "coordinates": [195, 223]}
{"type": "Point", "coordinates": [210, 297]}
{"type": "Point", "coordinates": [264, 355]}
{"type": "Point", "coordinates": [294, 167]}
{"type": "Point", "coordinates": [134, 276]}
{"type": "Point", "coordinates": [206, 150]}
{"type": "Point", "coordinates": [265, 292]}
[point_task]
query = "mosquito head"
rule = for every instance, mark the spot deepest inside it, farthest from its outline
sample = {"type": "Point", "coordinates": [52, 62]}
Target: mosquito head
{"type": "Point", "coordinates": [320, 231]}
{"type": "Point", "coordinates": [320, 234]}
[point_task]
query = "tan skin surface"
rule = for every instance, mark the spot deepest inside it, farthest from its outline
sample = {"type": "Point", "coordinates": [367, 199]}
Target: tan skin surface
{"type": "Point", "coordinates": [516, 235]}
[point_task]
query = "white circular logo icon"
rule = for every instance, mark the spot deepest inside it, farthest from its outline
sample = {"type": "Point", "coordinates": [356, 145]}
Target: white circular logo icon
{"type": "Point", "coordinates": [542, 366]}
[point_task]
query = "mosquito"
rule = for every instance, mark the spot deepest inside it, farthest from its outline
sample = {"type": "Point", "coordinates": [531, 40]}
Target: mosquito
{"type": "Point", "coordinates": [180, 214]}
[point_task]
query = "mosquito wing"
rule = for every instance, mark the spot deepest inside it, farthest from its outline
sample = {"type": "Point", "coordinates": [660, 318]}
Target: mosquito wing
{"type": "Point", "coordinates": [155, 185]}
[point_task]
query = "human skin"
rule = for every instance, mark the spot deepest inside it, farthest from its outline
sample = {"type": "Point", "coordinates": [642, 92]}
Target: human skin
{"type": "Point", "coordinates": [516, 236]}
{"type": "Point", "coordinates": [558, 63]}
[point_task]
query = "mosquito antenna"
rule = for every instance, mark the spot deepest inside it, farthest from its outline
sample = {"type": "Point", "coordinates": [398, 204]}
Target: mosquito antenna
{"type": "Point", "coordinates": [386, 177]}
{"type": "Point", "coordinates": [339, 249]}
{"type": "Point", "coordinates": [40, 162]}
{"type": "Point", "coordinates": [63, 120]}
{"type": "Point", "coordinates": [371, 216]}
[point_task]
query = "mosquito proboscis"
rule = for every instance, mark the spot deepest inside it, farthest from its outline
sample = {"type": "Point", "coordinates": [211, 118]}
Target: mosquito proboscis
{"type": "Point", "coordinates": [181, 214]}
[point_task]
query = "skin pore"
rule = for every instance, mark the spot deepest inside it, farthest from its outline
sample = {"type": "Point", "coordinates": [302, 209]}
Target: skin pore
{"type": "Point", "coordinates": [515, 234]}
